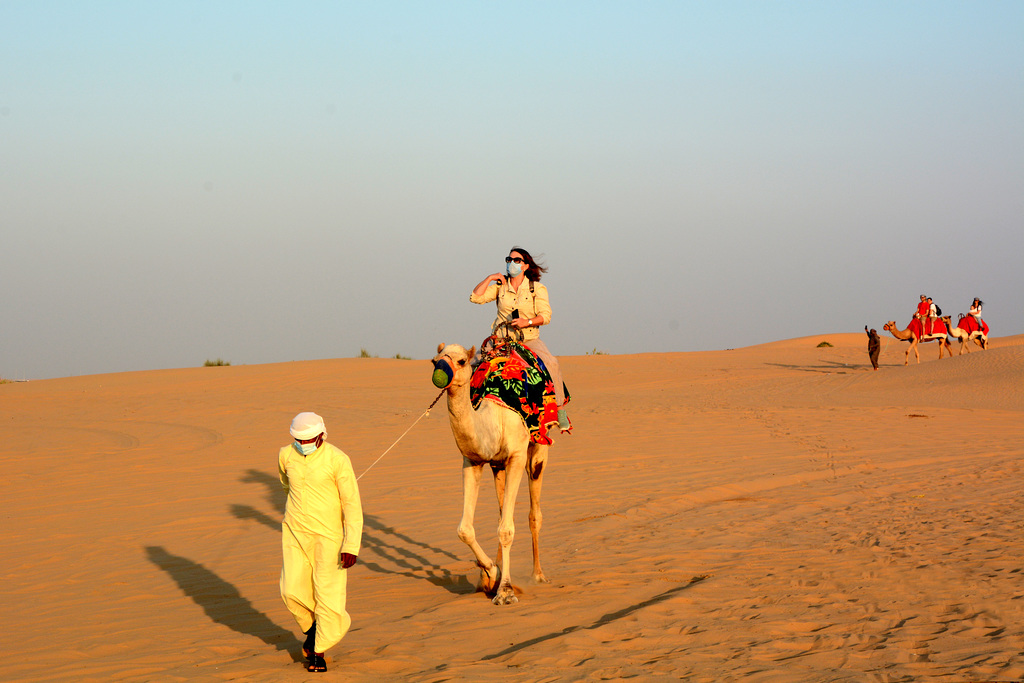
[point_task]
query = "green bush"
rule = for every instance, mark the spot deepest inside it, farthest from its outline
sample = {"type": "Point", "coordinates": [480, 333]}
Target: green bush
{"type": "Point", "coordinates": [824, 343]}
{"type": "Point", "coordinates": [215, 363]}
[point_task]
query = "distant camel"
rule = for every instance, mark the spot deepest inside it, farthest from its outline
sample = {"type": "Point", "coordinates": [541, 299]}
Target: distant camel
{"type": "Point", "coordinates": [911, 335]}
{"type": "Point", "coordinates": [966, 331]}
{"type": "Point", "coordinates": [494, 435]}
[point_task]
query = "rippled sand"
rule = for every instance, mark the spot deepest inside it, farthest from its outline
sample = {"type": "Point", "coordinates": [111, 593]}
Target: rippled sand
{"type": "Point", "coordinates": [773, 513]}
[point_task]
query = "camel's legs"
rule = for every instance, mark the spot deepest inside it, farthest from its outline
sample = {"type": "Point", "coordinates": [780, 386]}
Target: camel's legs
{"type": "Point", "coordinates": [499, 488]}
{"type": "Point", "coordinates": [507, 528]}
{"type": "Point", "coordinates": [535, 472]}
{"type": "Point", "coordinates": [470, 490]}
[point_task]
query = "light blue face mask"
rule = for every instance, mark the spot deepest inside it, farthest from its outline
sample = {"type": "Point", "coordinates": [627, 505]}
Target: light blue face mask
{"type": "Point", "coordinates": [513, 269]}
{"type": "Point", "coordinates": [305, 448]}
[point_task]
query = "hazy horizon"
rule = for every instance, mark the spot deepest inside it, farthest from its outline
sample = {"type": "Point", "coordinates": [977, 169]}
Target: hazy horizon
{"type": "Point", "coordinates": [260, 183]}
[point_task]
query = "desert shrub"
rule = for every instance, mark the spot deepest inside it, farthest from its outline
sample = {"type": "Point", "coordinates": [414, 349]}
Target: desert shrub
{"type": "Point", "coordinates": [363, 353]}
{"type": "Point", "coordinates": [824, 343]}
{"type": "Point", "coordinates": [595, 352]}
{"type": "Point", "coordinates": [215, 363]}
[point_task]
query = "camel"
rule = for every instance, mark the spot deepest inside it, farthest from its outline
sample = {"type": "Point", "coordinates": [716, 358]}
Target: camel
{"type": "Point", "coordinates": [496, 436]}
{"type": "Point", "coordinates": [965, 335]}
{"type": "Point", "coordinates": [910, 336]}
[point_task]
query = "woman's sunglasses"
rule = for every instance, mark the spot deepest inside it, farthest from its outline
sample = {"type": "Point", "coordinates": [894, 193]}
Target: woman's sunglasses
{"type": "Point", "coordinates": [510, 259]}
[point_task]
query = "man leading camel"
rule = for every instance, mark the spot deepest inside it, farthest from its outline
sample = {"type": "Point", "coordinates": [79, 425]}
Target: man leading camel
{"type": "Point", "coordinates": [321, 534]}
{"type": "Point", "coordinates": [874, 346]}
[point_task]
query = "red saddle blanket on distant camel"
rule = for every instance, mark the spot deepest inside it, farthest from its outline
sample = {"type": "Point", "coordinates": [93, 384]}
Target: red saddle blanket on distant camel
{"type": "Point", "coordinates": [970, 325]}
{"type": "Point", "coordinates": [513, 376]}
{"type": "Point", "coordinates": [932, 327]}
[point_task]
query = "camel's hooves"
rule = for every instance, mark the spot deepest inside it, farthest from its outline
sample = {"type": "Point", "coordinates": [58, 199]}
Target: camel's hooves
{"type": "Point", "coordinates": [540, 578]}
{"type": "Point", "coordinates": [505, 597]}
{"type": "Point", "coordinates": [488, 584]}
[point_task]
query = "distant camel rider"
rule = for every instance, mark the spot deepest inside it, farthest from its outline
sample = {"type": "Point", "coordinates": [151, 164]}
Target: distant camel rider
{"type": "Point", "coordinates": [975, 313]}
{"type": "Point", "coordinates": [933, 315]}
{"type": "Point", "coordinates": [921, 315]}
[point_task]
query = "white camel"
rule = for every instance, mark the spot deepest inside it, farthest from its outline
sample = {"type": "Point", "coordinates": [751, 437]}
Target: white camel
{"type": "Point", "coordinates": [496, 436]}
{"type": "Point", "coordinates": [965, 337]}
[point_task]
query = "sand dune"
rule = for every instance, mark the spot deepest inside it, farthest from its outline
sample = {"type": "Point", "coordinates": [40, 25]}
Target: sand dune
{"type": "Point", "coordinates": [773, 513]}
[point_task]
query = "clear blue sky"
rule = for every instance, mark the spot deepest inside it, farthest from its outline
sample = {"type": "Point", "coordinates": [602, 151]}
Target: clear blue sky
{"type": "Point", "coordinates": [269, 181]}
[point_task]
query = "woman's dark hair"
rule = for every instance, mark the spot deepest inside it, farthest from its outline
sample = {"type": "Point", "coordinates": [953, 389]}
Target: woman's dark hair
{"type": "Point", "coordinates": [535, 270]}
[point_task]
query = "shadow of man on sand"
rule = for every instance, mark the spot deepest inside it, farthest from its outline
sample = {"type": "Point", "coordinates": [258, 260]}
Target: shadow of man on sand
{"type": "Point", "coordinates": [275, 493]}
{"type": "Point", "coordinates": [276, 497]}
{"type": "Point", "coordinates": [222, 602]}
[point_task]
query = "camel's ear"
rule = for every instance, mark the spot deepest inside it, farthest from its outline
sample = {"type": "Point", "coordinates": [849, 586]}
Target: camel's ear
{"type": "Point", "coordinates": [472, 350]}
{"type": "Point", "coordinates": [440, 347]}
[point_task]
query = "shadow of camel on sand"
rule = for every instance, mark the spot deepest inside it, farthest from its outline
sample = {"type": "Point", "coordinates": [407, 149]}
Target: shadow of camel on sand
{"type": "Point", "coordinates": [393, 552]}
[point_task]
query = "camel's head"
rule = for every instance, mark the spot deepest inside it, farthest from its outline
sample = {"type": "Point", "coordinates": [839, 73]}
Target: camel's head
{"type": "Point", "coordinates": [889, 325]}
{"type": "Point", "coordinates": [451, 362]}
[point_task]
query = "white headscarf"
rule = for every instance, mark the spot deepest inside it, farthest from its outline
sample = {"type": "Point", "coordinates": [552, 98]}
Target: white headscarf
{"type": "Point", "coordinates": [307, 426]}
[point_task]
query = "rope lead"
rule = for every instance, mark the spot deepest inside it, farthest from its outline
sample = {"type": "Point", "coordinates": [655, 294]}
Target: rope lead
{"type": "Point", "coordinates": [425, 414]}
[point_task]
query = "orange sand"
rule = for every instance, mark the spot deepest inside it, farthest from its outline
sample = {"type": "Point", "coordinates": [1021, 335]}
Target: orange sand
{"type": "Point", "coordinates": [851, 525]}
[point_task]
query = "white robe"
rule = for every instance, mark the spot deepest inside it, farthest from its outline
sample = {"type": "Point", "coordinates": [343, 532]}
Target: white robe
{"type": "Point", "coordinates": [323, 518]}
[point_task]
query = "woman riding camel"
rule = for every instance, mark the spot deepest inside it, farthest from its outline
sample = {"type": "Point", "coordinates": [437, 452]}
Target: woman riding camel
{"type": "Point", "coordinates": [975, 312]}
{"type": "Point", "coordinates": [523, 304]}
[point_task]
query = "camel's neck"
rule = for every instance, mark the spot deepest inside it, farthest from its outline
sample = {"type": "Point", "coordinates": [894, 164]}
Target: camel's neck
{"type": "Point", "coordinates": [903, 335]}
{"type": "Point", "coordinates": [462, 415]}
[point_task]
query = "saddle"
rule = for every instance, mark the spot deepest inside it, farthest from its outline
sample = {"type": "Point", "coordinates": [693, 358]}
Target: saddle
{"type": "Point", "coordinates": [511, 375]}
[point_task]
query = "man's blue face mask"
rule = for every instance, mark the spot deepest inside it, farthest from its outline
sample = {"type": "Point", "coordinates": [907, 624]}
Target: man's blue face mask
{"type": "Point", "coordinates": [305, 448]}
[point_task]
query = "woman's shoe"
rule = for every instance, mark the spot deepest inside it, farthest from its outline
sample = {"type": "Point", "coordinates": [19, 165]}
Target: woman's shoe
{"type": "Point", "coordinates": [563, 420]}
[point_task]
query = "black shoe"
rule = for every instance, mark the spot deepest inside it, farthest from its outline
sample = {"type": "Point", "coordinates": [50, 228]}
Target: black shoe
{"type": "Point", "coordinates": [310, 643]}
{"type": "Point", "coordinates": [317, 663]}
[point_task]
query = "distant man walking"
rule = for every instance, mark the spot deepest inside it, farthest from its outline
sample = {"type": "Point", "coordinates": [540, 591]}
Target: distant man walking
{"type": "Point", "coordinates": [321, 535]}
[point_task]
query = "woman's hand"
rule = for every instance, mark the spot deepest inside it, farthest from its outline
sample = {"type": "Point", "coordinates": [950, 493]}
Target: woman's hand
{"type": "Point", "coordinates": [486, 282]}
{"type": "Point", "coordinates": [521, 323]}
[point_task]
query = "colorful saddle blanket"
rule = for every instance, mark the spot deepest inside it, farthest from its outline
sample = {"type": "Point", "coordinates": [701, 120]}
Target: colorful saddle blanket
{"type": "Point", "coordinates": [513, 376]}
